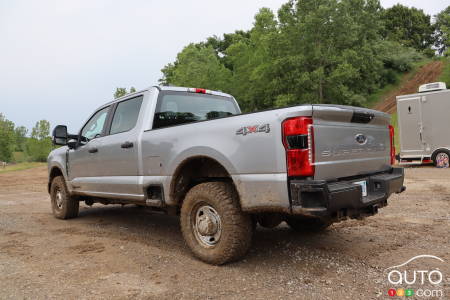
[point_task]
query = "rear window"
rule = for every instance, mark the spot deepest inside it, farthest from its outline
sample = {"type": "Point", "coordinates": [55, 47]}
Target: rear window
{"type": "Point", "coordinates": [175, 108]}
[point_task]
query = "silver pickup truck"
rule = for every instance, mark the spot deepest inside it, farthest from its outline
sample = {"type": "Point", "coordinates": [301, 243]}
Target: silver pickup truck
{"type": "Point", "coordinates": [192, 152]}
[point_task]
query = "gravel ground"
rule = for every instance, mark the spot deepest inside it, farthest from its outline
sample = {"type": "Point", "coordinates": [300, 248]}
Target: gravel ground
{"type": "Point", "coordinates": [130, 253]}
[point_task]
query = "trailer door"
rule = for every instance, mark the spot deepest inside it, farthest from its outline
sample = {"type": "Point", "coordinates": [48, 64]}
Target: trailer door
{"type": "Point", "coordinates": [410, 126]}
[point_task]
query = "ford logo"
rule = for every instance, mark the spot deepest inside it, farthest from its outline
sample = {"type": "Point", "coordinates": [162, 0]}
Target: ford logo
{"type": "Point", "coordinates": [361, 139]}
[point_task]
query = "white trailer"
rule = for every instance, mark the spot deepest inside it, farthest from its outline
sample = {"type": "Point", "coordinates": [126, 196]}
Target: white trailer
{"type": "Point", "coordinates": [424, 125]}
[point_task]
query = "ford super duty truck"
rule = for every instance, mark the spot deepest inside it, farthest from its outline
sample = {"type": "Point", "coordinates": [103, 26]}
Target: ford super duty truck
{"type": "Point", "coordinates": [192, 152]}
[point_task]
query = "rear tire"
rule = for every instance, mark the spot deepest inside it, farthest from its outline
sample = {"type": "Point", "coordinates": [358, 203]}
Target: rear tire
{"type": "Point", "coordinates": [441, 159]}
{"type": "Point", "coordinates": [213, 225]}
{"type": "Point", "coordinates": [304, 224]}
{"type": "Point", "coordinates": [64, 206]}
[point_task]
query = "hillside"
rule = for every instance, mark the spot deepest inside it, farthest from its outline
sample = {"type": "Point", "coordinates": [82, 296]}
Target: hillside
{"type": "Point", "coordinates": [429, 72]}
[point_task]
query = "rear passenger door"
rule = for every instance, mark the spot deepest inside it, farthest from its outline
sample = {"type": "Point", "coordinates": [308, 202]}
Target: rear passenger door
{"type": "Point", "coordinates": [118, 166]}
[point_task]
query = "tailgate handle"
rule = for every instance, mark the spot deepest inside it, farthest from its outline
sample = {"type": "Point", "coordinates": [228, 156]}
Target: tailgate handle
{"type": "Point", "coordinates": [362, 116]}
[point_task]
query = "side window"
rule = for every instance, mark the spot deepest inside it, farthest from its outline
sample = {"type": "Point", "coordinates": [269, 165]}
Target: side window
{"type": "Point", "coordinates": [94, 127]}
{"type": "Point", "coordinates": [126, 115]}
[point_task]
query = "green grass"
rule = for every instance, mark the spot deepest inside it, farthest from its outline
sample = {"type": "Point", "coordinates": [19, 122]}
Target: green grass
{"type": "Point", "coordinates": [21, 166]}
{"type": "Point", "coordinates": [445, 76]}
{"type": "Point", "coordinates": [394, 122]}
{"type": "Point", "coordinates": [381, 94]}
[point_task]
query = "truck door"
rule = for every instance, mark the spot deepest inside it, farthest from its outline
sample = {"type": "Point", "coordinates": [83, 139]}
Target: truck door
{"type": "Point", "coordinates": [83, 159]}
{"type": "Point", "coordinates": [410, 126]}
{"type": "Point", "coordinates": [117, 169]}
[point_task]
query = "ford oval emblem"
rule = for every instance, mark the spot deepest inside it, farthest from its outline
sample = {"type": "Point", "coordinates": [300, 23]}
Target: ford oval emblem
{"type": "Point", "coordinates": [361, 139]}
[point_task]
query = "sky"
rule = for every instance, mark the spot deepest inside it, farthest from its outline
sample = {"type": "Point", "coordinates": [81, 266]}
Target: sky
{"type": "Point", "coordinates": [61, 59]}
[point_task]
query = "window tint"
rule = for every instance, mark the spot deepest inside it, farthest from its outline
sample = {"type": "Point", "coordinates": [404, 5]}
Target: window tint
{"type": "Point", "coordinates": [176, 108]}
{"type": "Point", "coordinates": [94, 127]}
{"type": "Point", "coordinates": [126, 115]}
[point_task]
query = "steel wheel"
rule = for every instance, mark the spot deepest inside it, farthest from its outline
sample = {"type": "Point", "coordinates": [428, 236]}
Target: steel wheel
{"type": "Point", "coordinates": [207, 225]}
{"type": "Point", "coordinates": [442, 160]}
{"type": "Point", "coordinates": [59, 198]}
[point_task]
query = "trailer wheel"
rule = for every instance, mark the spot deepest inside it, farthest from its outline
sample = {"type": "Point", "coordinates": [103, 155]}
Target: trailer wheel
{"type": "Point", "coordinates": [213, 225]}
{"type": "Point", "coordinates": [304, 224]}
{"type": "Point", "coordinates": [441, 159]}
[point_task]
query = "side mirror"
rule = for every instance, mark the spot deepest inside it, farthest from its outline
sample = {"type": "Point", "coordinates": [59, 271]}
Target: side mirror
{"type": "Point", "coordinates": [59, 136]}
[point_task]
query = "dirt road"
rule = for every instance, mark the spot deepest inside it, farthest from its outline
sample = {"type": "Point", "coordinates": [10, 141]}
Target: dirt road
{"type": "Point", "coordinates": [128, 253]}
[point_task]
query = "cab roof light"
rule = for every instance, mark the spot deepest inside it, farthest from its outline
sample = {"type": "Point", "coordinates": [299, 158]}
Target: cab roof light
{"type": "Point", "coordinates": [199, 91]}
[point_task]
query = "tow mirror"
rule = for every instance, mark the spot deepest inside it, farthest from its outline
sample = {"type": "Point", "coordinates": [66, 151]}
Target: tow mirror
{"type": "Point", "coordinates": [59, 136]}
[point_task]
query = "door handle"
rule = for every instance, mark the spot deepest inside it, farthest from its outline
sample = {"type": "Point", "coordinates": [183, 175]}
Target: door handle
{"type": "Point", "coordinates": [93, 150]}
{"type": "Point", "coordinates": [127, 145]}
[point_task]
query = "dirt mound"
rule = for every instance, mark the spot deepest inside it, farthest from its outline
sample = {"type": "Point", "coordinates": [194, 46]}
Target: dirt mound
{"type": "Point", "coordinates": [427, 73]}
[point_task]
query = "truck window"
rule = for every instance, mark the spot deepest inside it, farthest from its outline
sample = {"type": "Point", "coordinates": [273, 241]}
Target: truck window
{"type": "Point", "coordinates": [94, 127]}
{"type": "Point", "coordinates": [126, 115]}
{"type": "Point", "coordinates": [175, 108]}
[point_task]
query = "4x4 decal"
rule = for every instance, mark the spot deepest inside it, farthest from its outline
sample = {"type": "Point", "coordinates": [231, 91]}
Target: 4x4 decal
{"type": "Point", "coordinates": [253, 129]}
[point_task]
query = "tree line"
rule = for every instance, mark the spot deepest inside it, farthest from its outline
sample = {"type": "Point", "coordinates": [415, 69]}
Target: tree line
{"type": "Point", "coordinates": [313, 51]}
{"type": "Point", "coordinates": [16, 146]}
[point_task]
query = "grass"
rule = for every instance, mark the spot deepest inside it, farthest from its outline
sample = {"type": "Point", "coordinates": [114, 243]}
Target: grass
{"type": "Point", "coordinates": [380, 94]}
{"type": "Point", "coordinates": [445, 76]}
{"type": "Point", "coordinates": [21, 166]}
{"type": "Point", "coordinates": [394, 122]}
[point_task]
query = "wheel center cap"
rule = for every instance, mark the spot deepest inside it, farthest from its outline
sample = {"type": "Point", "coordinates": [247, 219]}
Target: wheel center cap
{"type": "Point", "coordinates": [207, 225]}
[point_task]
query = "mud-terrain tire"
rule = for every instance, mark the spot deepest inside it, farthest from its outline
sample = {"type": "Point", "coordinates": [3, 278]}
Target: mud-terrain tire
{"type": "Point", "coordinates": [303, 224]}
{"type": "Point", "coordinates": [441, 158]}
{"type": "Point", "coordinates": [213, 225]}
{"type": "Point", "coordinates": [64, 206]}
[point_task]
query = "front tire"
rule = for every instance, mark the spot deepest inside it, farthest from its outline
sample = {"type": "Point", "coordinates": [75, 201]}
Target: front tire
{"type": "Point", "coordinates": [304, 224]}
{"type": "Point", "coordinates": [213, 225]}
{"type": "Point", "coordinates": [64, 206]}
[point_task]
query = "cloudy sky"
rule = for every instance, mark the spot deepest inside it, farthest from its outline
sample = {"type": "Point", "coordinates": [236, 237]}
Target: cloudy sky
{"type": "Point", "coordinates": [60, 59]}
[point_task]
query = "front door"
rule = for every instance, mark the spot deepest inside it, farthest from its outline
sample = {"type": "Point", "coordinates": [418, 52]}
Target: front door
{"type": "Point", "coordinates": [83, 159]}
{"type": "Point", "coordinates": [410, 126]}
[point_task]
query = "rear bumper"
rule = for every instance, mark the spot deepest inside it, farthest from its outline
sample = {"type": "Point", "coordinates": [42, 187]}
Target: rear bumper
{"type": "Point", "coordinates": [344, 199]}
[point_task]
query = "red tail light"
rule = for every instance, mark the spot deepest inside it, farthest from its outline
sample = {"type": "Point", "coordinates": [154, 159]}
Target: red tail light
{"type": "Point", "coordinates": [391, 135]}
{"type": "Point", "coordinates": [298, 140]}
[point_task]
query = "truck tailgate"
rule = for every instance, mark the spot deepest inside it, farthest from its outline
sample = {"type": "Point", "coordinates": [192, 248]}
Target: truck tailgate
{"type": "Point", "coordinates": [349, 141]}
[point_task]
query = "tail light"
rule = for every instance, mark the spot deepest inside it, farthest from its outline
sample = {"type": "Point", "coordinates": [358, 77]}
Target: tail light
{"type": "Point", "coordinates": [298, 140]}
{"type": "Point", "coordinates": [391, 135]}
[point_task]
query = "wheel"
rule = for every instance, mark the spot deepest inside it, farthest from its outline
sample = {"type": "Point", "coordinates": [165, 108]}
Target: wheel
{"type": "Point", "coordinates": [213, 225]}
{"type": "Point", "coordinates": [304, 224]}
{"type": "Point", "coordinates": [441, 159]}
{"type": "Point", "coordinates": [63, 205]}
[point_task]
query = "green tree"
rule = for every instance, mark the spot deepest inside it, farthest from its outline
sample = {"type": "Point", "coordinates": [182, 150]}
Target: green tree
{"type": "Point", "coordinates": [20, 138]}
{"type": "Point", "coordinates": [197, 65]}
{"type": "Point", "coordinates": [7, 139]}
{"type": "Point", "coordinates": [120, 92]}
{"type": "Point", "coordinates": [411, 27]}
{"type": "Point", "coordinates": [312, 51]}
{"type": "Point", "coordinates": [123, 91]}
{"type": "Point", "coordinates": [442, 33]}
{"type": "Point", "coordinates": [39, 144]}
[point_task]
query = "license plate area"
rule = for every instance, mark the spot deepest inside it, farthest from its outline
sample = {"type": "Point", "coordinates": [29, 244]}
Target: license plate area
{"type": "Point", "coordinates": [363, 185]}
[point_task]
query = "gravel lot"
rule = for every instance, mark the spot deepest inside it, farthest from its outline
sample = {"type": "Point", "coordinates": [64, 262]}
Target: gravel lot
{"type": "Point", "coordinates": [128, 253]}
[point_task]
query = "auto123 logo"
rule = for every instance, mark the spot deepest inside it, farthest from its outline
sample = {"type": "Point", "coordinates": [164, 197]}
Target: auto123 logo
{"type": "Point", "coordinates": [408, 280]}
{"type": "Point", "coordinates": [253, 129]}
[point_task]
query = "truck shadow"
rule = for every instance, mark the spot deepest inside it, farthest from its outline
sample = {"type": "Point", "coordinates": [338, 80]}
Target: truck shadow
{"type": "Point", "coordinates": [270, 246]}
